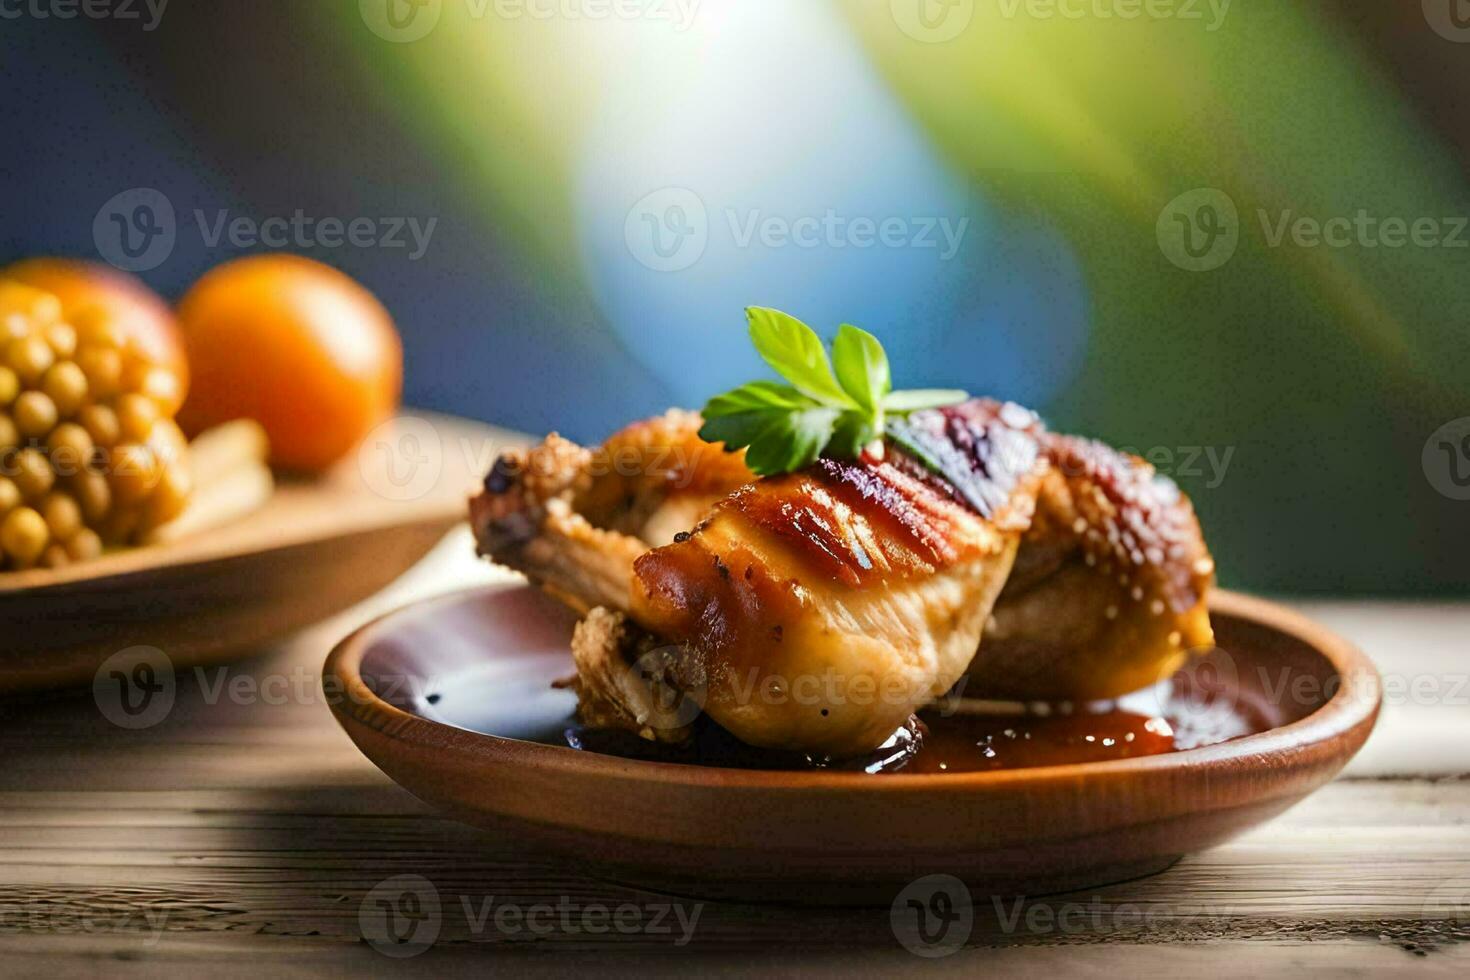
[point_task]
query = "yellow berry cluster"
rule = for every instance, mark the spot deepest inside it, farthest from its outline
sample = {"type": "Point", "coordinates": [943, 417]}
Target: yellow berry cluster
{"type": "Point", "coordinates": [89, 452]}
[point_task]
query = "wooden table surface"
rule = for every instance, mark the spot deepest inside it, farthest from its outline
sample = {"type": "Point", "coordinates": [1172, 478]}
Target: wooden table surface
{"type": "Point", "coordinates": [242, 834]}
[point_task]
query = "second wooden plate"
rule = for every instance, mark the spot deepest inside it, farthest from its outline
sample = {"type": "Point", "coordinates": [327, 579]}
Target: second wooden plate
{"type": "Point", "coordinates": [317, 547]}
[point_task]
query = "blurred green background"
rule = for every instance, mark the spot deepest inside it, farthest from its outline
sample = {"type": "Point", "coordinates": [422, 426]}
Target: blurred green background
{"type": "Point", "coordinates": [1228, 235]}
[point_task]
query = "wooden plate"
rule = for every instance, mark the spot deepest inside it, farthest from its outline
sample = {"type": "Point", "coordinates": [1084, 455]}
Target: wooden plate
{"type": "Point", "coordinates": [451, 699]}
{"type": "Point", "coordinates": [316, 548]}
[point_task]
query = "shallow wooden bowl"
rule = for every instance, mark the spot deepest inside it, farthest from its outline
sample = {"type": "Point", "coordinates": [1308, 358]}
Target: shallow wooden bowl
{"type": "Point", "coordinates": [451, 699]}
{"type": "Point", "coordinates": [317, 547]}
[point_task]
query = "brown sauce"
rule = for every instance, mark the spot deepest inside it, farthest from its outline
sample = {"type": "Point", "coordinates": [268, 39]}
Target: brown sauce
{"type": "Point", "coordinates": [983, 743]}
{"type": "Point", "coordinates": [940, 742]}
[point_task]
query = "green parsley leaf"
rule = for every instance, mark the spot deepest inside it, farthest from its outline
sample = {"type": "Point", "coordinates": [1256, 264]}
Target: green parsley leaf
{"type": "Point", "coordinates": [775, 441]}
{"type": "Point", "coordinates": [852, 435]}
{"type": "Point", "coordinates": [757, 396]}
{"type": "Point", "coordinates": [796, 353]}
{"type": "Point", "coordinates": [786, 427]}
{"type": "Point", "coordinates": [862, 366]}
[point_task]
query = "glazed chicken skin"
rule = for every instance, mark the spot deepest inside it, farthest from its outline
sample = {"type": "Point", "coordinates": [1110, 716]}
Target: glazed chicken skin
{"type": "Point", "coordinates": [1110, 592]}
{"type": "Point", "coordinates": [821, 609]}
{"type": "Point", "coordinates": [815, 611]}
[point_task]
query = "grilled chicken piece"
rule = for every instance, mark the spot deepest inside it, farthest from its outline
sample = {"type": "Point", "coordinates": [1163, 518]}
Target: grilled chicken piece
{"type": "Point", "coordinates": [574, 519]}
{"type": "Point", "coordinates": [858, 588]}
{"type": "Point", "coordinates": [1109, 593]}
{"type": "Point", "coordinates": [823, 608]}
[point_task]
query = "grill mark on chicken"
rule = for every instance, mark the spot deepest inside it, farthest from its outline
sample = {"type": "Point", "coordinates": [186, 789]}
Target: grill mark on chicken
{"type": "Point", "coordinates": [980, 445]}
{"type": "Point", "coordinates": [834, 538]}
{"type": "Point", "coordinates": [865, 522]}
{"type": "Point", "coordinates": [899, 511]}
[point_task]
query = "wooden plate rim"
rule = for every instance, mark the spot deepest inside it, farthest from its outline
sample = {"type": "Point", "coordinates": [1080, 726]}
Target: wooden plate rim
{"type": "Point", "coordinates": [87, 576]}
{"type": "Point", "coordinates": [1353, 708]}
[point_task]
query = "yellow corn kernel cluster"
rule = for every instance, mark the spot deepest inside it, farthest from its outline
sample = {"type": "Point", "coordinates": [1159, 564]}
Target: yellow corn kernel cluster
{"type": "Point", "coordinates": [89, 451]}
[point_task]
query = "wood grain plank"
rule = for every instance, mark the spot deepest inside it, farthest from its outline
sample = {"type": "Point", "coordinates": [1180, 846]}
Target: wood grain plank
{"type": "Point", "coordinates": [278, 870]}
{"type": "Point", "coordinates": [1422, 650]}
{"type": "Point", "coordinates": [228, 955]}
{"type": "Point", "coordinates": [252, 831]}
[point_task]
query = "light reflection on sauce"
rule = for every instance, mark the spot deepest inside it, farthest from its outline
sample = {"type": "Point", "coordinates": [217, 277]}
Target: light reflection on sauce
{"type": "Point", "coordinates": [984, 743]}
{"type": "Point", "coordinates": [971, 741]}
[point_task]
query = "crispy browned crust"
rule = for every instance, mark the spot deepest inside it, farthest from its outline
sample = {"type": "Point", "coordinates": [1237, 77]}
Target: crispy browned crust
{"type": "Point", "coordinates": [525, 520]}
{"type": "Point", "coordinates": [573, 519]}
{"type": "Point", "coordinates": [647, 464]}
{"type": "Point", "coordinates": [1110, 590]}
{"type": "Point", "coordinates": [1129, 519]}
{"type": "Point", "coordinates": [627, 680]}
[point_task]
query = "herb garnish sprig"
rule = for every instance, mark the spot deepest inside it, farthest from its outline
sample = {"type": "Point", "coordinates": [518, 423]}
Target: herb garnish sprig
{"type": "Point", "coordinates": [826, 407]}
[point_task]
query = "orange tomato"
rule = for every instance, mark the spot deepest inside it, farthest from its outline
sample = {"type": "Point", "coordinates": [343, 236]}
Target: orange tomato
{"type": "Point", "coordinates": [142, 315]}
{"type": "Point", "coordinates": [296, 345]}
